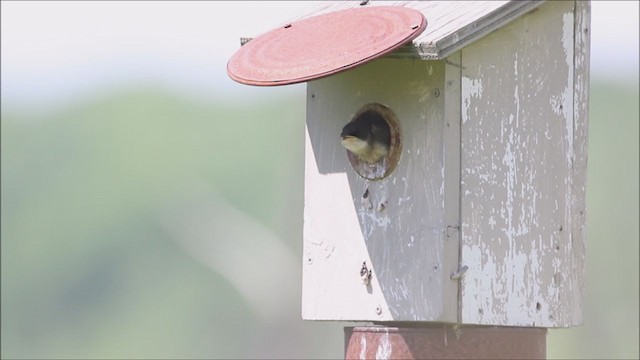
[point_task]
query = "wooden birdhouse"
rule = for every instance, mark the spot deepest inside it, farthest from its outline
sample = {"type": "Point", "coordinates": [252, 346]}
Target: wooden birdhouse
{"type": "Point", "coordinates": [476, 213]}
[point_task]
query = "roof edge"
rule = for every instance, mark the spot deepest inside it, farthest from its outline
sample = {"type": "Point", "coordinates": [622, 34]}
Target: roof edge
{"type": "Point", "coordinates": [485, 25]}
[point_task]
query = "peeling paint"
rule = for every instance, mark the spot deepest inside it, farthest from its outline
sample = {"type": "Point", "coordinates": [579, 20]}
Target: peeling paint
{"type": "Point", "coordinates": [567, 95]}
{"type": "Point", "coordinates": [384, 347]}
{"type": "Point", "coordinates": [516, 173]}
{"type": "Point", "coordinates": [470, 88]}
{"type": "Point", "coordinates": [363, 347]}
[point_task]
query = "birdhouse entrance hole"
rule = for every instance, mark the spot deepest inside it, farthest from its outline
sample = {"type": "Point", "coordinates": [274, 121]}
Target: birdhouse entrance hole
{"type": "Point", "coordinates": [385, 166]}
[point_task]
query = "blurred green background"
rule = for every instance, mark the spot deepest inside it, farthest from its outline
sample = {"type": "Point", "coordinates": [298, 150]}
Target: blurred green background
{"type": "Point", "coordinates": [97, 200]}
{"type": "Point", "coordinates": [140, 222]}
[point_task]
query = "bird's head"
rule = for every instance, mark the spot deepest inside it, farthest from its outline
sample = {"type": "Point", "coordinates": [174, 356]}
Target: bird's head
{"type": "Point", "coordinates": [367, 136]}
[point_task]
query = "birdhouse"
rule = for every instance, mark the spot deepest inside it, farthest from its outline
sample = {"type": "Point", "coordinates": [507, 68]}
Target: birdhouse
{"type": "Point", "coordinates": [474, 210]}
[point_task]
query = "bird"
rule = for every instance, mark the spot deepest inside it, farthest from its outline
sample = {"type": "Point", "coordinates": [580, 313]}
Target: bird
{"type": "Point", "coordinates": [367, 137]}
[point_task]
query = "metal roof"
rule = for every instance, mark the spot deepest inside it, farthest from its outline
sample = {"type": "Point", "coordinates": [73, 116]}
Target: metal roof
{"type": "Point", "coordinates": [452, 24]}
{"type": "Point", "coordinates": [341, 40]}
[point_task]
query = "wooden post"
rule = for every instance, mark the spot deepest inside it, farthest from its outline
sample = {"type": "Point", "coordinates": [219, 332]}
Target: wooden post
{"type": "Point", "coordinates": [442, 341]}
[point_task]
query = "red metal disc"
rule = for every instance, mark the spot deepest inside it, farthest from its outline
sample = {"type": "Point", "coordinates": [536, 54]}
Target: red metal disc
{"type": "Point", "coordinates": [323, 45]}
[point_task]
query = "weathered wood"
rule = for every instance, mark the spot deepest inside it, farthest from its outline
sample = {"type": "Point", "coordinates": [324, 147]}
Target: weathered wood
{"type": "Point", "coordinates": [399, 229]}
{"type": "Point", "coordinates": [517, 177]}
{"type": "Point", "coordinates": [451, 24]}
{"type": "Point", "coordinates": [582, 48]}
{"type": "Point", "coordinates": [452, 118]}
{"type": "Point", "coordinates": [491, 179]}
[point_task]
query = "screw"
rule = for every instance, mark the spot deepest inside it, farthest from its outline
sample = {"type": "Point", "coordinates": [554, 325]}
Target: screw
{"type": "Point", "coordinates": [459, 273]}
{"type": "Point", "coordinates": [436, 92]}
{"type": "Point", "coordinates": [378, 310]}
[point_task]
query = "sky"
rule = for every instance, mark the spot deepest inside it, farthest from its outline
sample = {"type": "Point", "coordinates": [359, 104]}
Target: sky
{"type": "Point", "coordinates": [57, 52]}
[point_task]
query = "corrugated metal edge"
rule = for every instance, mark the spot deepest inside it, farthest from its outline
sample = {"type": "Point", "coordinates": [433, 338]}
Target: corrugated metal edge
{"type": "Point", "coordinates": [463, 36]}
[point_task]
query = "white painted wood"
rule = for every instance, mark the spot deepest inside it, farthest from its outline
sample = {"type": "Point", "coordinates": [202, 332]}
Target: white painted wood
{"type": "Point", "coordinates": [451, 25]}
{"type": "Point", "coordinates": [492, 178]}
{"type": "Point", "coordinates": [452, 117]}
{"type": "Point", "coordinates": [582, 47]}
{"type": "Point", "coordinates": [518, 146]}
{"type": "Point", "coordinates": [404, 243]}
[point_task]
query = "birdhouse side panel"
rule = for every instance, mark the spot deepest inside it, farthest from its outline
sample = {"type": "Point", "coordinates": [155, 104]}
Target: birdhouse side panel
{"type": "Point", "coordinates": [518, 148]}
{"type": "Point", "coordinates": [394, 226]}
{"type": "Point", "coordinates": [582, 41]}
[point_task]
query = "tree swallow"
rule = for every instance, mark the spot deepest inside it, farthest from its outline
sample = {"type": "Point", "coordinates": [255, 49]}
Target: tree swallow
{"type": "Point", "coordinates": [368, 137]}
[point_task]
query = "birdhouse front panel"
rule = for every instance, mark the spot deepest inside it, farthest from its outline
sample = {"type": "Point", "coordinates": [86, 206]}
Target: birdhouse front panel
{"type": "Point", "coordinates": [523, 150]}
{"type": "Point", "coordinates": [378, 249]}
